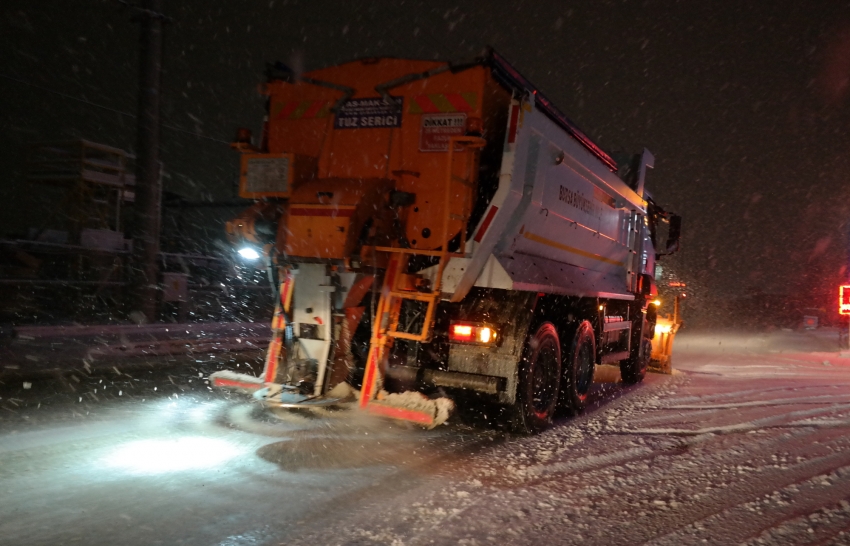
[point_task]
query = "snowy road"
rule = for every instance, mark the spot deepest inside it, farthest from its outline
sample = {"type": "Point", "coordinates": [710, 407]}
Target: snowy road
{"type": "Point", "coordinates": [748, 443]}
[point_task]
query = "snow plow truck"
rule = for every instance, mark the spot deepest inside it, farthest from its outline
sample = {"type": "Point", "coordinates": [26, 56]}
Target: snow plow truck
{"type": "Point", "coordinates": [440, 232]}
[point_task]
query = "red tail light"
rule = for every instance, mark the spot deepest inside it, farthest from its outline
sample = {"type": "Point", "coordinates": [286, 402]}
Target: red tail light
{"type": "Point", "coordinates": [462, 332]}
{"type": "Point", "coordinates": [465, 332]}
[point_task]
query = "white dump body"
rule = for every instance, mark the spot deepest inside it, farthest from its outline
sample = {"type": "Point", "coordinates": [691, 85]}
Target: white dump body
{"type": "Point", "coordinates": [560, 222]}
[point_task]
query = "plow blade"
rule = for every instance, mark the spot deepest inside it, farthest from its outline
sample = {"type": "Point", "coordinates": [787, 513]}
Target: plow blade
{"type": "Point", "coordinates": [236, 381]}
{"type": "Point", "coordinates": [409, 406]}
{"type": "Point", "coordinates": [426, 419]}
{"type": "Point", "coordinates": [413, 407]}
{"type": "Point", "coordinates": [277, 396]}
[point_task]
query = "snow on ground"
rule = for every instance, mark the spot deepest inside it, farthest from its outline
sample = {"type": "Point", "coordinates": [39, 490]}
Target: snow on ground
{"type": "Point", "coordinates": [749, 443]}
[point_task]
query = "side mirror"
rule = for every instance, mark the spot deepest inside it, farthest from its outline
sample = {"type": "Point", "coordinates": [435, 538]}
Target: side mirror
{"type": "Point", "coordinates": [647, 286]}
{"type": "Point", "coordinates": [673, 234]}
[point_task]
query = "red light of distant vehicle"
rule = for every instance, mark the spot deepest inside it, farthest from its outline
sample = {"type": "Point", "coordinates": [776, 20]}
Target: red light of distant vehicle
{"type": "Point", "coordinates": [844, 299]}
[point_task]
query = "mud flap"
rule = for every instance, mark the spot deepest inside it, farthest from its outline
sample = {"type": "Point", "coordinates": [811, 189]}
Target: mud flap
{"type": "Point", "coordinates": [313, 313]}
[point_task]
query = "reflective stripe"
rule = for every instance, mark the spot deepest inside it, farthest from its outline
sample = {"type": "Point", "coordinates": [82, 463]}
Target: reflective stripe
{"type": "Point", "coordinates": [301, 109]}
{"type": "Point", "coordinates": [272, 359]}
{"type": "Point", "coordinates": [314, 109]}
{"type": "Point", "coordinates": [400, 413]}
{"type": "Point", "coordinates": [286, 292]}
{"type": "Point", "coordinates": [443, 102]}
{"type": "Point", "coordinates": [512, 128]}
{"type": "Point", "coordinates": [486, 223]}
{"type": "Point", "coordinates": [554, 244]}
{"type": "Point", "coordinates": [218, 382]}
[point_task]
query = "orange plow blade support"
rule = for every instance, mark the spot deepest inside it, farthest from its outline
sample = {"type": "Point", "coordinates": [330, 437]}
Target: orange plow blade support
{"type": "Point", "coordinates": [244, 382]}
{"type": "Point", "coordinates": [237, 381]}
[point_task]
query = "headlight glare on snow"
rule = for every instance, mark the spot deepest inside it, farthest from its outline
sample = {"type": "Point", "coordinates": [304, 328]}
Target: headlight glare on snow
{"type": "Point", "coordinates": [172, 455]}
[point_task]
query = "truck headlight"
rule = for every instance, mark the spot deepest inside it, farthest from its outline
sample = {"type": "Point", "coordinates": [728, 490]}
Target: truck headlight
{"type": "Point", "coordinates": [249, 253]}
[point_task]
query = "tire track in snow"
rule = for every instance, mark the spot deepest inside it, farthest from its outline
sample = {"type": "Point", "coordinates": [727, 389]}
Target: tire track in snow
{"type": "Point", "coordinates": [735, 524]}
{"type": "Point", "coordinates": [747, 491]}
{"type": "Point", "coordinates": [823, 399]}
{"type": "Point", "coordinates": [821, 526]}
{"type": "Point", "coordinates": [740, 393]}
{"type": "Point", "coordinates": [775, 421]}
{"type": "Point", "coordinates": [618, 458]}
{"type": "Point", "coordinates": [705, 496]}
{"type": "Point", "coordinates": [543, 514]}
{"type": "Point", "coordinates": [710, 457]}
{"type": "Point", "coordinates": [717, 461]}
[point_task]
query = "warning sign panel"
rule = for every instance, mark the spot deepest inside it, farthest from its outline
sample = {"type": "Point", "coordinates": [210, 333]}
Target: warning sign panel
{"type": "Point", "coordinates": [437, 129]}
{"type": "Point", "coordinates": [369, 113]}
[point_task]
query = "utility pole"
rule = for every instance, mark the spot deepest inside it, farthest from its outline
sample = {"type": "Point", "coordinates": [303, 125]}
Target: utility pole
{"type": "Point", "coordinates": [148, 170]}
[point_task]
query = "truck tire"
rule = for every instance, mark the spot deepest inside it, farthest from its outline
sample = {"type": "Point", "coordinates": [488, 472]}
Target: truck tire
{"type": "Point", "coordinates": [539, 381]}
{"type": "Point", "coordinates": [633, 369]}
{"type": "Point", "coordinates": [579, 365]}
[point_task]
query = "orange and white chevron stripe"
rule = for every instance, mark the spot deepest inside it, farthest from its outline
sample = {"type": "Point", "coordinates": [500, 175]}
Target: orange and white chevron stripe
{"type": "Point", "coordinates": [302, 109]}
{"type": "Point", "coordinates": [443, 103]}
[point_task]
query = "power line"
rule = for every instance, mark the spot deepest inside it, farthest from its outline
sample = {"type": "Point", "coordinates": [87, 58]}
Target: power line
{"type": "Point", "coordinates": [113, 110]}
{"type": "Point", "coordinates": [84, 101]}
{"type": "Point", "coordinates": [145, 11]}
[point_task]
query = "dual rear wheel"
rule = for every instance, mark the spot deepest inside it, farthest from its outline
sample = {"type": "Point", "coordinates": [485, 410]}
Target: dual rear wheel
{"type": "Point", "coordinates": [554, 375]}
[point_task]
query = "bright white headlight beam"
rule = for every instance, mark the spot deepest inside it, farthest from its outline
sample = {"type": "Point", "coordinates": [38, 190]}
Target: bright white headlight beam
{"type": "Point", "coordinates": [249, 253]}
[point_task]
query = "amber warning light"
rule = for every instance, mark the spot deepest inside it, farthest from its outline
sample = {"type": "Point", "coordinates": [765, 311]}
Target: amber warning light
{"type": "Point", "coordinates": [844, 299]}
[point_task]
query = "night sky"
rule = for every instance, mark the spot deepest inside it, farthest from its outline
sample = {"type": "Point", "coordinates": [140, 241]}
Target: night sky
{"type": "Point", "coordinates": [744, 104]}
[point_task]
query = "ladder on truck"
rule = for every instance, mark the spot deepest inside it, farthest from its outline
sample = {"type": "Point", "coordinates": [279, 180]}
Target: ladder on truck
{"type": "Point", "coordinates": [400, 286]}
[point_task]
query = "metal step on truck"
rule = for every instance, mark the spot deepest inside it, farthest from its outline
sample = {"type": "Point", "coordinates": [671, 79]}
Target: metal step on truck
{"type": "Point", "coordinates": [438, 230]}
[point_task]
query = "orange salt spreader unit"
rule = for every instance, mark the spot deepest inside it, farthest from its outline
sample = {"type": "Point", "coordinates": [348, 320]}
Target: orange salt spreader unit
{"type": "Point", "coordinates": [390, 195]}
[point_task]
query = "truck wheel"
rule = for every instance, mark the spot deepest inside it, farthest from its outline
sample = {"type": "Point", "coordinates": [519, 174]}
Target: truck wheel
{"type": "Point", "coordinates": [579, 366]}
{"type": "Point", "coordinates": [539, 381]}
{"type": "Point", "coordinates": [633, 369]}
